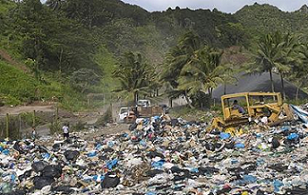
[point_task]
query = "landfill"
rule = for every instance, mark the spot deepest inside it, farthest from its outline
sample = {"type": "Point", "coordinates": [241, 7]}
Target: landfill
{"type": "Point", "coordinates": [161, 155]}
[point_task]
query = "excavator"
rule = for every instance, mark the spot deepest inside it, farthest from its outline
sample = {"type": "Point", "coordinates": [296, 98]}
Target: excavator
{"type": "Point", "coordinates": [242, 108]}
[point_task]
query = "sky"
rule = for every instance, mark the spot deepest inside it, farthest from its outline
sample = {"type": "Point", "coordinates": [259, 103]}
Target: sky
{"type": "Point", "coordinates": [228, 6]}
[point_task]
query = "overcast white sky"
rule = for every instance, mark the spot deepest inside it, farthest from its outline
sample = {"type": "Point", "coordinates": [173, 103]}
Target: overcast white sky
{"type": "Point", "coordinates": [229, 6]}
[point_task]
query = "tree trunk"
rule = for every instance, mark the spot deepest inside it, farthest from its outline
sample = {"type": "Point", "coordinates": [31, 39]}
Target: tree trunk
{"type": "Point", "coordinates": [187, 100]}
{"type": "Point", "coordinates": [210, 91]}
{"type": "Point", "coordinates": [272, 82]}
{"type": "Point", "coordinates": [135, 97]}
{"type": "Point", "coordinates": [282, 87]}
{"type": "Point", "coordinates": [225, 88]}
{"type": "Point", "coordinates": [170, 102]}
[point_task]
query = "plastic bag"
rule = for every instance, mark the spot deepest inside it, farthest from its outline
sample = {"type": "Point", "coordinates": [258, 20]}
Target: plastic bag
{"type": "Point", "coordinates": [71, 155]}
{"type": "Point", "coordinates": [111, 181]}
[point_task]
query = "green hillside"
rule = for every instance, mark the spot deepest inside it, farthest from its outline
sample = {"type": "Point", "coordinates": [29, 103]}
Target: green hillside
{"type": "Point", "coordinates": [260, 19]}
{"type": "Point", "coordinates": [75, 46]}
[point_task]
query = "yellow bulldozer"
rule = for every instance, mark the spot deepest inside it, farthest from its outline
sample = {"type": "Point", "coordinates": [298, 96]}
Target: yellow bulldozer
{"type": "Point", "coordinates": [241, 108]}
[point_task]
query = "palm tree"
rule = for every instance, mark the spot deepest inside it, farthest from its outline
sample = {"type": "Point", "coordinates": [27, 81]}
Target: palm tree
{"type": "Point", "coordinates": [178, 58]}
{"type": "Point", "coordinates": [268, 54]}
{"type": "Point", "coordinates": [132, 73]}
{"type": "Point", "coordinates": [180, 55]}
{"type": "Point", "coordinates": [275, 51]}
{"type": "Point", "coordinates": [203, 73]}
{"type": "Point", "coordinates": [193, 69]}
{"type": "Point", "coordinates": [300, 68]}
{"type": "Point", "coordinates": [153, 81]}
{"type": "Point", "coordinates": [55, 4]}
{"type": "Point", "coordinates": [289, 46]}
{"type": "Point", "coordinates": [228, 75]}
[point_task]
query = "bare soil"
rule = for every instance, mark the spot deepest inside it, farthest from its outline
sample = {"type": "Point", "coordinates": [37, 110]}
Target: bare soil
{"type": "Point", "coordinates": [49, 109]}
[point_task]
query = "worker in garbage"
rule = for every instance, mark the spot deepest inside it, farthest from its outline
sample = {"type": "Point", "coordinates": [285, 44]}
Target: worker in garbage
{"type": "Point", "coordinates": [236, 106]}
{"type": "Point", "coordinates": [65, 129]}
{"type": "Point", "coordinates": [33, 134]}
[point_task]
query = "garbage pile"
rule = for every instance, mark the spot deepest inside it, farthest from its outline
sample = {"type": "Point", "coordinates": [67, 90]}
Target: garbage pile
{"type": "Point", "coordinates": [161, 156]}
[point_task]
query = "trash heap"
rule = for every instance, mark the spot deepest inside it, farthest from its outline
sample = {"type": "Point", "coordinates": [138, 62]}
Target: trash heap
{"type": "Point", "coordinates": [161, 156]}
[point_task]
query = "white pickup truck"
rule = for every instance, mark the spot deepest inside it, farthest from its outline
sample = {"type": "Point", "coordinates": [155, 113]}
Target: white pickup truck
{"type": "Point", "coordinates": [126, 115]}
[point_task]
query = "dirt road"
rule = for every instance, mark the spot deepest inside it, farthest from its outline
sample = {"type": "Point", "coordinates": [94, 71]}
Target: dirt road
{"type": "Point", "coordinates": [22, 109]}
{"type": "Point", "coordinates": [85, 117]}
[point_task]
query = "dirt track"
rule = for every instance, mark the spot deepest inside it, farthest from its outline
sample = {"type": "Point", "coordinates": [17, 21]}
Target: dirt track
{"type": "Point", "coordinates": [23, 109]}
{"type": "Point", "coordinates": [86, 117]}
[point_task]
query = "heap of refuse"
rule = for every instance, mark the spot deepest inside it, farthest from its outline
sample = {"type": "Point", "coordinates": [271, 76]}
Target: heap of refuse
{"type": "Point", "coordinates": [161, 156]}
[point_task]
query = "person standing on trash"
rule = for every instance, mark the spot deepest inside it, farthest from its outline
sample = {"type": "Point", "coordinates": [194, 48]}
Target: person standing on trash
{"type": "Point", "coordinates": [236, 106]}
{"type": "Point", "coordinates": [33, 134]}
{"type": "Point", "coordinates": [65, 129]}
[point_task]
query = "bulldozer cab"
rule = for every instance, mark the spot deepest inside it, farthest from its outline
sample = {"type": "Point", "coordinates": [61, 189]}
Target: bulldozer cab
{"type": "Point", "coordinates": [250, 104]}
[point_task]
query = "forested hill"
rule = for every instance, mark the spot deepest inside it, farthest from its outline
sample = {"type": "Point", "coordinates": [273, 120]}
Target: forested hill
{"type": "Point", "coordinates": [260, 19]}
{"type": "Point", "coordinates": [62, 42]}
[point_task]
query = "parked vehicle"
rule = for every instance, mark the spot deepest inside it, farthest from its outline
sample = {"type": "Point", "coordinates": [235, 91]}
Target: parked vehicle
{"type": "Point", "coordinates": [126, 114]}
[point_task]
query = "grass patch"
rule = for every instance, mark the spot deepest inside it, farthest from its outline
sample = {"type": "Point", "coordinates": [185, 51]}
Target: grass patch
{"type": "Point", "coordinates": [17, 86]}
{"type": "Point", "coordinates": [15, 83]}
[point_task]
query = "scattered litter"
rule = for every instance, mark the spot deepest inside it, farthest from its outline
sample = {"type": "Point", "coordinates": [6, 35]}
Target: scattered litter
{"type": "Point", "coordinates": [160, 156]}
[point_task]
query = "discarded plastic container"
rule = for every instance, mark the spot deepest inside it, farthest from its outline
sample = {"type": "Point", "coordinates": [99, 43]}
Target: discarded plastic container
{"type": "Point", "coordinates": [6, 152]}
{"type": "Point", "coordinates": [98, 178]}
{"type": "Point", "coordinates": [46, 156]}
{"type": "Point", "coordinates": [158, 164]}
{"type": "Point", "coordinates": [92, 154]}
{"type": "Point", "coordinates": [98, 147]}
{"type": "Point", "coordinates": [293, 136]}
{"type": "Point", "coordinates": [111, 164]}
{"type": "Point", "coordinates": [277, 185]}
{"type": "Point", "coordinates": [249, 179]}
{"type": "Point", "coordinates": [143, 143]}
{"type": "Point", "coordinates": [224, 136]}
{"type": "Point", "coordinates": [110, 144]}
{"type": "Point", "coordinates": [239, 145]}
